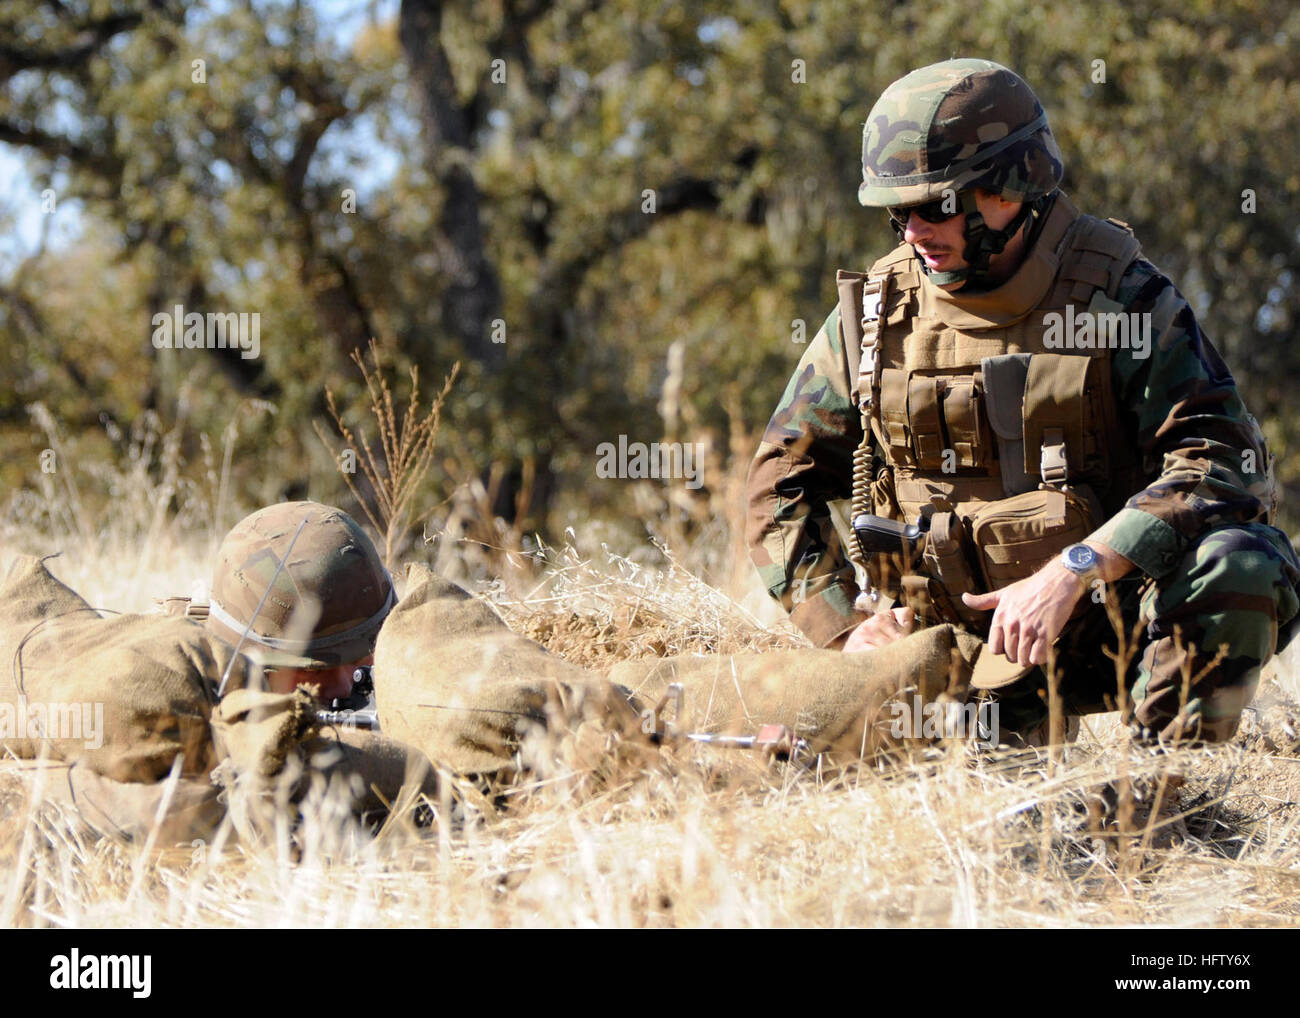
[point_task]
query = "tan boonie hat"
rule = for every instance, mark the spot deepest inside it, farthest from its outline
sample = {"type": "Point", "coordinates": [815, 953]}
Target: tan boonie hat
{"type": "Point", "coordinates": [327, 602]}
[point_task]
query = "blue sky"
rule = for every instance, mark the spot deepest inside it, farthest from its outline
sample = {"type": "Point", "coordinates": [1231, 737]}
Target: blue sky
{"type": "Point", "coordinates": [20, 200]}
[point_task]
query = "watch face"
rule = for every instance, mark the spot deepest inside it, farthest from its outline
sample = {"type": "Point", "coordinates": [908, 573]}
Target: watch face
{"type": "Point", "coordinates": [1080, 557]}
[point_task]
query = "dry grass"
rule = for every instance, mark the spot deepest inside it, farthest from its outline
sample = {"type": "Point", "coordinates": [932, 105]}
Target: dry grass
{"type": "Point", "coordinates": [614, 609]}
{"type": "Point", "coordinates": [694, 837]}
{"type": "Point", "coordinates": [710, 838]}
{"type": "Point", "coordinates": [406, 439]}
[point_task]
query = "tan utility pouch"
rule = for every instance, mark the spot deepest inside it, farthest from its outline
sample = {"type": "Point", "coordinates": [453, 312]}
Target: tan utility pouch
{"type": "Point", "coordinates": [948, 564]}
{"type": "Point", "coordinates": [1016, 536]}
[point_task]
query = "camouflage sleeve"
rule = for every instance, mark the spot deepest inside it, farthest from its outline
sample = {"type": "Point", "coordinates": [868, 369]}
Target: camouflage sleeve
{"type": "Point", "coordinates": [1203, 453]}
{"type": "Point", "coordinates": [804, 462]}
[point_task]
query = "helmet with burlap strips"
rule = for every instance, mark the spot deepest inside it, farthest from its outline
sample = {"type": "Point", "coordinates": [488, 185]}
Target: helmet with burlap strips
{"type": "Point", "coordinates": [326, 604]}
{"type": "Point", "coordinates": [953, 126]}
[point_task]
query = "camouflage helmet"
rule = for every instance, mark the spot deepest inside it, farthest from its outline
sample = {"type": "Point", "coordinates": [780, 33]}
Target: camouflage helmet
{"type": "Point", "coordinates": [957, 125]}
{"type": "Point", "coordinates": [325, 606]}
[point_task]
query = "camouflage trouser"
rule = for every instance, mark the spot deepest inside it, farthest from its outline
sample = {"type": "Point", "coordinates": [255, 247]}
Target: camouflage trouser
{"type": "Point", "coordinates": [1200, 636]}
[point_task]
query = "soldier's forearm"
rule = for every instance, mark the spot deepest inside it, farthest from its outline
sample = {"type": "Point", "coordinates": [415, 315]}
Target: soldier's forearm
{"type": "Point", "coordinates": [1111, 565]}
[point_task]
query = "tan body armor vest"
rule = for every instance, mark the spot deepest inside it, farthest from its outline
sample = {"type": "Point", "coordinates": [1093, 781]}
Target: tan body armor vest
{"type": "Point", "coordinates": [992, 416]}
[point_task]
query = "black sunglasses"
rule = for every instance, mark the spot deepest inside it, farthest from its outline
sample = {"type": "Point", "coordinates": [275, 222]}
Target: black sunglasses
{"type": "Point", "coordinates": [931, 212]}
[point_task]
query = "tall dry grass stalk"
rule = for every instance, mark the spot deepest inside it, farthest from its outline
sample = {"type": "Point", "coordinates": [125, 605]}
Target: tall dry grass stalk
{"type": "Point", "coordinates": [473, 542]}
{"type": "Point", "coordinates": [406, 444]}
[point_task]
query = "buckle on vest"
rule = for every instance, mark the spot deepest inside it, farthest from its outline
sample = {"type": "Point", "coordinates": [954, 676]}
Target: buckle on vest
{"type": "Point", "coordinates": [1053, 464]}
{"type": "Point", "coordinates": [871, 298]}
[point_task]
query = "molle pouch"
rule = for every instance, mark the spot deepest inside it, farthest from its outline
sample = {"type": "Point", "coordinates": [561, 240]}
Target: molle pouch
{"type": "Point", "coordinates": [1063, 417]}
{"type": "Point", "coordinates": [1016, 536]}
{"type": "Point", "coordinates": [934, 422]}
{"type": "Point", "coordinates": [883, 569]}
{"type": "Point", "coordinates": [925, 419]}
{"type": "Point", "coordinates": [961, 399]}
{"type": "Point", "coordinates": [947, 563]}
{"type": "Point", "coordinates": [1004, 397]}
{"type": "Point", "coordinates": [884, 499]}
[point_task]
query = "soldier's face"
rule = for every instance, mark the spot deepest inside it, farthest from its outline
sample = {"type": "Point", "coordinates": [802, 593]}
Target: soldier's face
{"type": "Point", "coordinates": [940, 245]}
{"type": "Point", "coordinates": [334, 683]}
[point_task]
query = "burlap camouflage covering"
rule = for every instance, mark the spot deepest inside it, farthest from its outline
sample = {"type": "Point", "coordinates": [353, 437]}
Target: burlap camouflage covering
{"type": "Point", "coordinates": [258, 731]}
{"type": "Point", "coordinates": [109, 706]}
{"type": "Point", "coordinates": [125, 695]}
{"type": "Point", "coordinates": [368, 773]}
{"type": "Point", "coordinates": [842, 704]}
{"type": "Point", "coordinates": [454, 681]}
{"type": "Point", "coordinates": [379, 770]}
{"type": "Point", "coordinates": [173, 810]}
{"type": "Point", "coordinates": [273, 747]}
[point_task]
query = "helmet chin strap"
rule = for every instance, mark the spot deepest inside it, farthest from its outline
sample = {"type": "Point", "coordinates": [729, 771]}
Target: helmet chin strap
{"type": "Point", "coordinates": [982, 243]}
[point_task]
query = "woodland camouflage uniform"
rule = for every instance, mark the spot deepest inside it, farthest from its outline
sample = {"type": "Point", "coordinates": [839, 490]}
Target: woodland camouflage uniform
{"type": "Point", "coordinates": [1178, 467]}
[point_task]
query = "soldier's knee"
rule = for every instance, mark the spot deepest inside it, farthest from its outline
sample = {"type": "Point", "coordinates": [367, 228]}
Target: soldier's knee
{"type": "Point", "coordinates": [1217, 619]}
{"type": "Point", "coordinates": [1248, 570]}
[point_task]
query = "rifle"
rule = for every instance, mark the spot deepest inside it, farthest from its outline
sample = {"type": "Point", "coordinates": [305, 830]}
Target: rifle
{"type": "Point", "coordinates": [357, 709]}
{"type": "Point", "coordinates": [776, 742]}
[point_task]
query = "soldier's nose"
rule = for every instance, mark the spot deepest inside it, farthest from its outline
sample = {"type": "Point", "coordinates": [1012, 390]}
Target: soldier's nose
{"type": "Point", "coordinates": [917, 229]}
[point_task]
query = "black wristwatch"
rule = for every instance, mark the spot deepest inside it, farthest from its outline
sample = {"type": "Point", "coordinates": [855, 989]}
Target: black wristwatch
{"type": "Point", "coordinates": [1083, 561]}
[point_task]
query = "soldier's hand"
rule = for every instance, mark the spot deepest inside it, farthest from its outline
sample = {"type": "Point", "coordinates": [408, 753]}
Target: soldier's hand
{"type": "Point", "coordinates": [880, 630]}
{"type": "Point", "coordinates": [1029, 614]}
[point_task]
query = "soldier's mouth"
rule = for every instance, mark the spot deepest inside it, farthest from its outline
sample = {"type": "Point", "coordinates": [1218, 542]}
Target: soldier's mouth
{"type": "Point", "coordinates": [933, 258]}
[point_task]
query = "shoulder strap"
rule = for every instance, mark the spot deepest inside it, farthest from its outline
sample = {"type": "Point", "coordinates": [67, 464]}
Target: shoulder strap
{"type": "Point", "coordinates": [850, 285]}
{"type": "Point", "coordinates": [1098, 253]}
{"type": "Point", "coordinates": [863, 300]}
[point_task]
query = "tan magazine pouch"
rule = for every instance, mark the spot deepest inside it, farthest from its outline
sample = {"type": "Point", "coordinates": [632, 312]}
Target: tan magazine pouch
{"type": "Point", "coordinates": [961, 415]}
{"type": "Point", "coordinates": [894, 393]}
{"type": "Point", "coordinates": [925, 421]}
